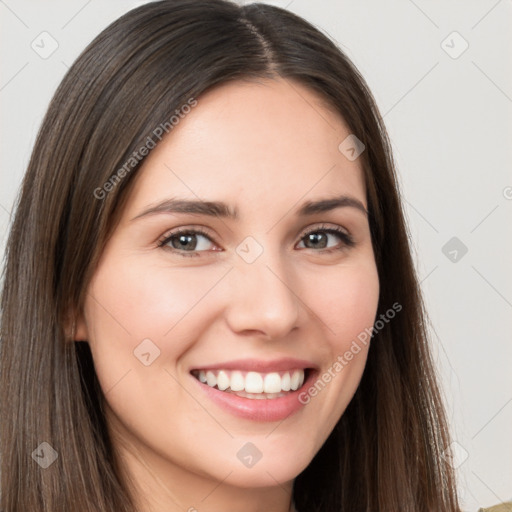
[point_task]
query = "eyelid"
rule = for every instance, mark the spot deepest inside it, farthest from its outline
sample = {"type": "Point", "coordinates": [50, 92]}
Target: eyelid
{"type": "Point", "coordinates": [322, 226]}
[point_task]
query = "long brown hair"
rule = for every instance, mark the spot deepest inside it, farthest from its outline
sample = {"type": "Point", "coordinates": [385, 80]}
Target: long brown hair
{"type": "Point", "coordinates": [385, 453]}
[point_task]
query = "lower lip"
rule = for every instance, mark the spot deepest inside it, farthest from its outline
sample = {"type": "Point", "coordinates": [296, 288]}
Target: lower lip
{"type": "Point", "coordinates": [270, 409]}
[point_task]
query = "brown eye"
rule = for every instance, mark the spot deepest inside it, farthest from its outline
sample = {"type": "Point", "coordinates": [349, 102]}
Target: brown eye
{"type": "Point", "coordinates": [320, 239]}
{"type": "Point", "coordinates": [187, 242]}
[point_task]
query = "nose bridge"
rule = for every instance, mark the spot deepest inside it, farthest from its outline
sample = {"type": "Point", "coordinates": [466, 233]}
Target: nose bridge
{"type": "Point", "coordinates": [263, 298]}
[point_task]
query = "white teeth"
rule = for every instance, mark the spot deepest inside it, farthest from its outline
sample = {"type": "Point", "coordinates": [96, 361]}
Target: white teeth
{"type": "Point", "coordinates": [272, 383]}
{"type": "Point", "coordinates": [266, 385]}
{"type": "Point", "coordinates": [222, 380]}
{"type": "Point", "coordinates": [211, 380]}
{"type": "Point", "coordinates": [253, 383]}
{"type": "Point", "coordinates": [294, 383]}
{"type": "Point", "coordinates": [237, 381]}
{"type": "Point", "coordinates": [285, 382]}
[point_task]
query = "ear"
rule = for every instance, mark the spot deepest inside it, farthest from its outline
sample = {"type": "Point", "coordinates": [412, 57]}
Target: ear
{"type": "Point", "coordinates": [76, 327]}
{"type": "Point", "coordinates": [80, 333]}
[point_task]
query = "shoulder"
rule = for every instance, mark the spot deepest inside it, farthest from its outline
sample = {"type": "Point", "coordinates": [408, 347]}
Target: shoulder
{"type": "Point", "coordinates": [503, 507]}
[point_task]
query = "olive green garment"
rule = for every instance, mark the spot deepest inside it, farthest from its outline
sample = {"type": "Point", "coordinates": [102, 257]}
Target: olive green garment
{"type": "Point", "coordinates": [503, 507]}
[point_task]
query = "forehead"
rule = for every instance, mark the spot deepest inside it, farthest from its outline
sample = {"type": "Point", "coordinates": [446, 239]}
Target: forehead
{"type": "Point", "coordinates": [252, 143]}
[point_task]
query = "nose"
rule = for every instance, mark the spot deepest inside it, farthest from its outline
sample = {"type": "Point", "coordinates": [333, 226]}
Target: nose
{"type": "Point", "coordinates": [262, 299]}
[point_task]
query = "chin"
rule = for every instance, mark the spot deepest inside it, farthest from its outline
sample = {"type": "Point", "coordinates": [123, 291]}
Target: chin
{"type": "Point", "coordinates": [273, 466]}
{"type": "Point", "coordinates": [268, 475]}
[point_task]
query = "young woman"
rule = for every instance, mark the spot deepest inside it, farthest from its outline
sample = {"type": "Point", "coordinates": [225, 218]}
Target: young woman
{"type": "Point", "coordinates": [209, 300]}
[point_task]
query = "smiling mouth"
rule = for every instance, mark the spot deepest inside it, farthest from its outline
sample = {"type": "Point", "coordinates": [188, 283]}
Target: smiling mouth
{"type": "Point", "coordinates": [253, 385]}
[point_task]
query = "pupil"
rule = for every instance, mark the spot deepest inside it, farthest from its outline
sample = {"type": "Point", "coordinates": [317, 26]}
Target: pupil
{"type": "Point", "coordinates": [184, 240]}
{"type": "Point", "coordinates": [314, 237]}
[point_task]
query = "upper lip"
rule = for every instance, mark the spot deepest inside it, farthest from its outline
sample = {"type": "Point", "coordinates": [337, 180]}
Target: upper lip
{"type": "Point", "coordinates": [259, 365]}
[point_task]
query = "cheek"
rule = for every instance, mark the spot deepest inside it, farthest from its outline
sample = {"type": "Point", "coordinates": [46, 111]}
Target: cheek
{"type": "Point", "coordinates": [346, 300]}
{"type": "Point", "coordinates": [133, 302]}
{"type": "Point", "coordinates": [127, 305]}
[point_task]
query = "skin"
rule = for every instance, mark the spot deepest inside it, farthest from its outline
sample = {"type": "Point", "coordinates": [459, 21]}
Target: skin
{"type": "Point", "coordinates": [264, 147]}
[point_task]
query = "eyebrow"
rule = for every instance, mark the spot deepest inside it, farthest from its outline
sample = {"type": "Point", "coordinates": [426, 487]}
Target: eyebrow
{"type": "Point", "coordinates": [220, 209]}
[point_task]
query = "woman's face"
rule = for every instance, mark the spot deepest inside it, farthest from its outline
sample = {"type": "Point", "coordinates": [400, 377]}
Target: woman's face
{"type": "Point", "coordinates": [254, 303]}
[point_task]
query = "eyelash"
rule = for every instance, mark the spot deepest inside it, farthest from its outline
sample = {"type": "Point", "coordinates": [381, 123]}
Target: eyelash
{"type": "Point", "coordinates": [347, 240]}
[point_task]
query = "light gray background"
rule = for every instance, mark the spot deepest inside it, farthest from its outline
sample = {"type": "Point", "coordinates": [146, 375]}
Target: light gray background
{"type": "Point", "coordinates": [450, 124]}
